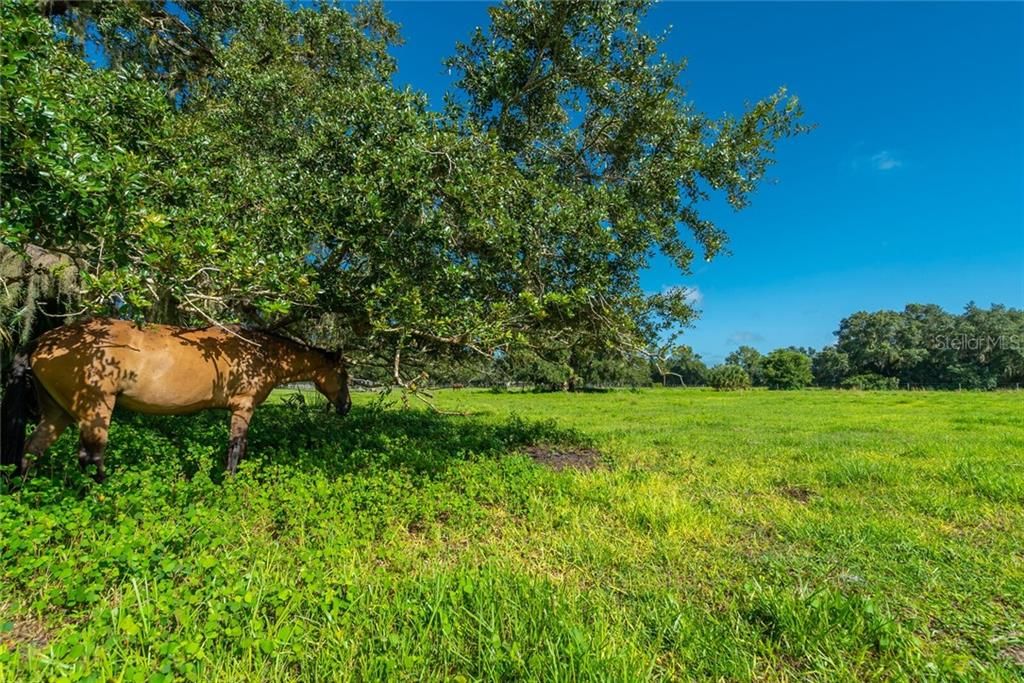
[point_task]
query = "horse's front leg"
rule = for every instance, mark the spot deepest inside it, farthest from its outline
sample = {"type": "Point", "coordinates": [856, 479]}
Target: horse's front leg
{"type": "Point", "coordinates": [241, 414]}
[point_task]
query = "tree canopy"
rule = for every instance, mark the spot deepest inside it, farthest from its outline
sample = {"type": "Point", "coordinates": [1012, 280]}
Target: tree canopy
{"type": "Point", "coordinates": [246, 161]}
{"type": "Point", "coordinates": [748, 358]}
{"type": "Point", "coordinates": [924, 346]}
{"type": "Point", "coordinates": [787, 369]}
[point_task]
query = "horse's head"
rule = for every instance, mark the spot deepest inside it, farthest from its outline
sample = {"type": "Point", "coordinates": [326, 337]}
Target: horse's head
{"type": "Point", "coordinates": [332, 381]}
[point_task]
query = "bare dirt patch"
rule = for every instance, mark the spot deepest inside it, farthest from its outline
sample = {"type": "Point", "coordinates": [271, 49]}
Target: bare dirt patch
{"type": "Point", "coordinates": [565, 457]}
{"type": "Point", "coordinates": [1015, 653]}
{"type": "Point", "coordinates": [801, 494]}
{"type": "Point", "coordinates": [15, 633]}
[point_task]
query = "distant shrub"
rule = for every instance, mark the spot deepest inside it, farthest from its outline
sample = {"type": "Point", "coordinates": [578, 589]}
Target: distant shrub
{"type": "Point", "coordinates": [787, 369]}
{"type": "Point", "coordinates": [870, 382]}
{"type": "Point", "coordinates": [728, 378]}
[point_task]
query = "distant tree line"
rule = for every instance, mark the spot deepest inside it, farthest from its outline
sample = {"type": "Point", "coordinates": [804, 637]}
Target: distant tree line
{"type": "Point", "coordinates": [920, 347]}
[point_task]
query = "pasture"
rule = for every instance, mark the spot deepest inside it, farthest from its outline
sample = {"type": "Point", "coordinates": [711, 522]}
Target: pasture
{"type": "Point", "coordinates": [726, 536]}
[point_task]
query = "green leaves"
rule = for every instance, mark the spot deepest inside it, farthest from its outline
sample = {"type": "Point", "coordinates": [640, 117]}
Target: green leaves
{"type": "Point", "coordinates": [786, 369]}
{"type": "Point", "coordinates": [579, 95]}
{"type": "Point", "coordinates": [728, 377]}
{"type": "Point", "coordinates": [924, 346]}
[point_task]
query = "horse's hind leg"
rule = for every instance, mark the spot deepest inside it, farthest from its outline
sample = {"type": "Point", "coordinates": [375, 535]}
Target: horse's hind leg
{"type": "Point", "coordinates": [93, 429]}
{"type": "Point", "coordinates": [53, 421]}
{"type": "Point", "coordinates": [240, 417]}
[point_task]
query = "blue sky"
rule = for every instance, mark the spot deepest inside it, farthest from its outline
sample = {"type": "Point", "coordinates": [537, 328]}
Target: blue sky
{"type": "Point", "coordinates": [910, 189]}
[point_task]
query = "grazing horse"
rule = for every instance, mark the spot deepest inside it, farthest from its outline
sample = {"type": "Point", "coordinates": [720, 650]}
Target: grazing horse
{"type": "Point", "coordinates": [81, 370]}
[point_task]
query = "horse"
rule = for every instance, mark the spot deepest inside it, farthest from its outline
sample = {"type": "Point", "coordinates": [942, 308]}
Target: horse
{"type": "Point", "coordinates": [80, 371]}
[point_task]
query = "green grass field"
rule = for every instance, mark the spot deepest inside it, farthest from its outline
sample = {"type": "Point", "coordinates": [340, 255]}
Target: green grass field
{"type": "Point", "coordinates": [726, 536]}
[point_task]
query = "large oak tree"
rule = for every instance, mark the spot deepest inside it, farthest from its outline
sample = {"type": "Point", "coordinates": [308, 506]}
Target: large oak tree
{"type": "Point", "coordinates": [247, 161]}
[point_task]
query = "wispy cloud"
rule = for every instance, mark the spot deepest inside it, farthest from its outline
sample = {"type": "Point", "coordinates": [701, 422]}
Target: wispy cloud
{"type": "Point", "coordinates": [885, 161]}
{"type": "Point", "coordinates": [744, 337]}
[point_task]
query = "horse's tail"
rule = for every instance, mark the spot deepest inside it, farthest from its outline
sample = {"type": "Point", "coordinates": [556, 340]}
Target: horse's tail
{"type": "Point", "coordinates": [18, 403]}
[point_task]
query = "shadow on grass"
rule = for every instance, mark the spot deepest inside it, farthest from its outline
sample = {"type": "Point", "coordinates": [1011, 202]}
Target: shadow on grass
{"type": "Point", "coordinates": [365, 441]}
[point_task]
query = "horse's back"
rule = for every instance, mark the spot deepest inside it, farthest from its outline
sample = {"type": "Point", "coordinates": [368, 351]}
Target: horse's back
{"type": "Point", "coordinates": [150, 368]}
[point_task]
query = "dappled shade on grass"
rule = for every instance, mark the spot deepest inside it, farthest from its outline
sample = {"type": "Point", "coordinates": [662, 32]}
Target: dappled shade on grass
{"type": "Point", "coordinates": [284, 438]}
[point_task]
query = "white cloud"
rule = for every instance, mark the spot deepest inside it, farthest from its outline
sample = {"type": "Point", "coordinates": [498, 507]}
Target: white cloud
{"type": "Point", "coordinates": [885, 161]}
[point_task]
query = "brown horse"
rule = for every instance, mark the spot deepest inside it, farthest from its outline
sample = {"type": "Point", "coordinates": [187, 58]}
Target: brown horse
{"type": "Point", "coordinates": [81, 370]}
